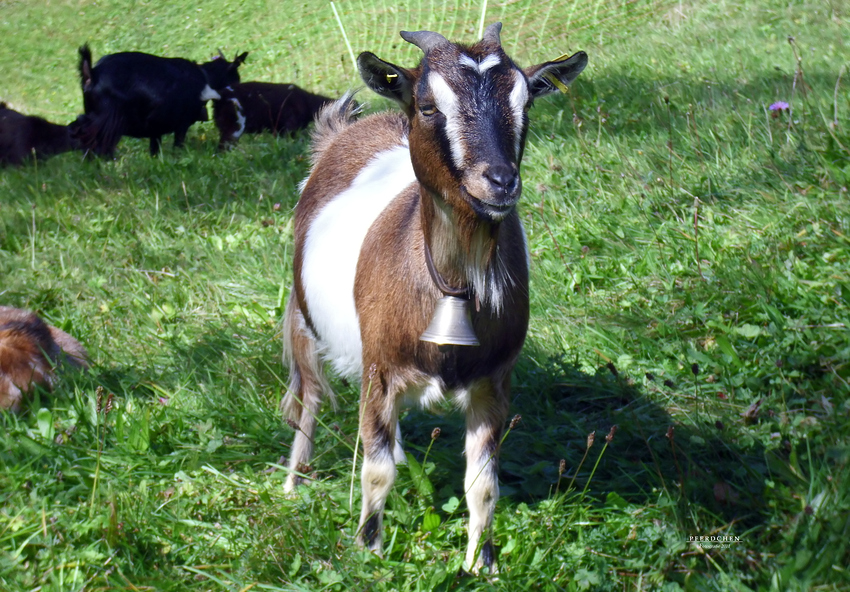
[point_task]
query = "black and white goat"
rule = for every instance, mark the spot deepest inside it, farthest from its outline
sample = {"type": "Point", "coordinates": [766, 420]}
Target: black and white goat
{"type": "Point", "coordinates": [24, 136]}
{"type": "Point", "coordinates": [389, 196]}
{"type": "Point", "coordinates": [256, 107]}
{"type": "Point", "coordinates": [147, 96]}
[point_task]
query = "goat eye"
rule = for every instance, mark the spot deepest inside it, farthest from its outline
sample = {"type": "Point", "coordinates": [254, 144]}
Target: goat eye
{"type": "Point", "coordinates": [428, 110]}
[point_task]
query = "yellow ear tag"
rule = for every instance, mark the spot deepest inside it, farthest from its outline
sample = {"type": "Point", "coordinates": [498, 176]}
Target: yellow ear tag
{"type": "Point", "coordinates": [551, 78]}
{"type": "Point", "coordinates": [391, 76]}
{"type": "Point", "coordinates": [561, 86]}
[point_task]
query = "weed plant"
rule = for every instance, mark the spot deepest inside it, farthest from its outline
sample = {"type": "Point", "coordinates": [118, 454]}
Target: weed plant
{"type": "Point", "coordinates": [689, 237]}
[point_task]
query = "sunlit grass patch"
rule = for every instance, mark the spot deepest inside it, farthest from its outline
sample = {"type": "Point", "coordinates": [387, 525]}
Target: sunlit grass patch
{"type": "Point", "coordinates": [689, 285]}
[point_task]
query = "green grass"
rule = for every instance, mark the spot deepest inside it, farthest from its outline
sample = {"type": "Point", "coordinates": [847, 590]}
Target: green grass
{"type": "Point", "coordinates": [689, 285]}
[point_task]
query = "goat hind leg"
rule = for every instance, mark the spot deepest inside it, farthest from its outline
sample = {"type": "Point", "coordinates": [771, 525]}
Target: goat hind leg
{"type": "Point", "coordinates": [306, 387]}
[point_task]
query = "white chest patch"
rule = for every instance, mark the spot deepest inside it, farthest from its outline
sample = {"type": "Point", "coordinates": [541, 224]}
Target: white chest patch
{"type": "Point", "coordinates": [332, 248]}
{"type": "Point", "coordinates": [208, 94]}
{"type": "Point", "coordinates": [240, 118]}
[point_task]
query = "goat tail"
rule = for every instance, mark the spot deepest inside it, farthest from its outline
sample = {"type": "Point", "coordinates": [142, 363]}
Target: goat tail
{"type": "Point", "coordinates": [73, 352]}
{"type": "Point", "coordinates": [332, 119]}
{"type": "Point", "coordinates": [99, 133]}
{"type": "Point", "coordinates": [307, 382]}
{"type": "Point", "coordinates": [85, 67]}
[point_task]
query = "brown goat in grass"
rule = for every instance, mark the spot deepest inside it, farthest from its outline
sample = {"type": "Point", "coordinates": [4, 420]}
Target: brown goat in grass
{"type": "Point", "coordinates": [30, 351]}
{"type": "Point", "coordinates": [398, 210]}
{"type": "Point", "coordinates": [256, 107]}
{"type": "Point", "coordinates": [24, 136]}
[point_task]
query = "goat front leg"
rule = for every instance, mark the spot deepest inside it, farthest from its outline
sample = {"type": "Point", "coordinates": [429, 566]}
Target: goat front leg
{"type": "Point", "coordinates": [378, 430]}
{"type": "Point", "coordinates": [180, 136]}
{"type": "Point", "coordinates": [155, 143]}
{"type": "Point", "coordinates": [485, 418]}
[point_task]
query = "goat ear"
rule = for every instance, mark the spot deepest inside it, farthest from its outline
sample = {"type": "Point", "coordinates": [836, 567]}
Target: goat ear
{"type": "Point", "coordinates": [388, 80]}
{"type": "Point", "coordinates": [564, 71]}
{"type": "Point", "coordinates": [238, 61]}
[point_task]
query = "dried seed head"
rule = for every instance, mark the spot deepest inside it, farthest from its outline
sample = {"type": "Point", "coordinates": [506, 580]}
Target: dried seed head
{"type": "Point", "coordinates": [650, 376]}
{"type": "Point", "coordinates": [590, 438]}
{"type": "Point", "coordinates": [670, 433]}
{"type": "Point", "coordinates": [611, 433]}
{"type": "Point", "coordinates": [517, 418]}
{"type": "Point", "coordinates": [373, 370]}
{"type": "Point", "coordinates": [304, 469]}
{"type": "Point", "coordinates": [291, 423]}
{"type": "Point", "coordinates": [694, 368]}
{"type": "Point", "coordinates": [108, 406]}
{"type": "Point", "coordinates": [99, 393]}
{"type": "Point", "coordinates": [435, 433]}
{"type": "Point", "coordinates": [612, 369]}
{"type": "Point", "coordinates": [562, 467]}
{"type": "Point", "coordinates": [669, 383]}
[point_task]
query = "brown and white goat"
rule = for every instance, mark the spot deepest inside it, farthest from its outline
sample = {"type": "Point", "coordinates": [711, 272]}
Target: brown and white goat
{"type": "Point", "coordinates": [30, 349]}
{"type": "Point", "coordinates": [386, 192]}
{"type": "Point", "coordinates": [25, 136]}
{"type": "Point", "coordinates": [255, 107]}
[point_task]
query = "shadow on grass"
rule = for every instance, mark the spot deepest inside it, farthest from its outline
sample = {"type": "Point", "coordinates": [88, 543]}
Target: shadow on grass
{"type": "Point", "coordinates": [698, 462]}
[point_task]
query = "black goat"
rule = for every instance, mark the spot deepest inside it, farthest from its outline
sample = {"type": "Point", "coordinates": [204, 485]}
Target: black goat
{"type": "Point", "coordinates": [146, 96]}
{"type": "Point", "coordinates": [22, 136]}
{"type": "Point", "coordinates": [255, 107]}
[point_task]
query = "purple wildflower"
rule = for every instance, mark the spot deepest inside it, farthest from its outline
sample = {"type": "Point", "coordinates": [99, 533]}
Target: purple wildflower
{"type": "Point", "coordinates": [779, 106]}
{"type": "Point", "coordinates": [163, 401]}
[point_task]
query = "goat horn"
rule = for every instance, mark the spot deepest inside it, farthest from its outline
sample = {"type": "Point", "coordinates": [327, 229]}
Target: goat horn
{"type": "Point", "coordinates": [424, 40]}
{"type": "Point", "coordinates": [221, 55]}
{"type": "Point", "coordinates": [491, 33]}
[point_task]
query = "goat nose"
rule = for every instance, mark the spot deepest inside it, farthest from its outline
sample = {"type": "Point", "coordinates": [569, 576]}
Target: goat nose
{"type": "Point", "coordinates": [502, 178]}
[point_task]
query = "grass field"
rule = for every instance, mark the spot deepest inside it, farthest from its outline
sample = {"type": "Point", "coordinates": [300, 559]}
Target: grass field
{"type": "Point", "coordinates": [690, 285]}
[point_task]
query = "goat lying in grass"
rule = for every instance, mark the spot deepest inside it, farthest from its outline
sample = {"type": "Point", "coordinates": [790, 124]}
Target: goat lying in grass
{"type": "Point", "coordinates": [24, 136]}
{"type": "Point", "coordinates": [255, 107]}
{"type": "Point", "coordinates": [30, 351]}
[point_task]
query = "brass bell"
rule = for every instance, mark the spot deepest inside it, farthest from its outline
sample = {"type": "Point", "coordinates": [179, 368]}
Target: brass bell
{"type": "Point", "coordinates": [451, 323]}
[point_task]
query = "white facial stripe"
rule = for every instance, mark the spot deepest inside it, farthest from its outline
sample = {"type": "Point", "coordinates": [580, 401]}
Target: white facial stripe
{"type": "Point", "coordinates": [519, 97]}
{"type": "Point", "coordinates": [468, 62]}
{"type": "Point", "coordinates": [240, 118]}
{"type": "Point", "coordinates": [332, 249]}
{"type": "Point", "coordinates": [486, 63]}
{"type": "Point", "coordinates": [489, 62]}
{"type": "Point", "coordinates": [447, 103]}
